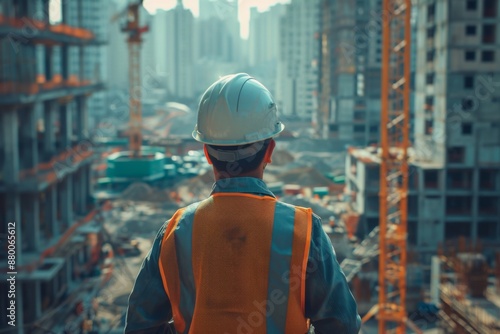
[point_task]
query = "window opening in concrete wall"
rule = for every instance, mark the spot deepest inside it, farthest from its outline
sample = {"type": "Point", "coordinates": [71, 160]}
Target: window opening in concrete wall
{"type": "Point", "coordinates": [454, 230]}
{"type": "Point", "coordinates": [458, 205]}
{"type": "Point", "coordinates": [429, 102]}
{"type": "Point", "coordinates": [488, 230]}
{"type": "Point", "coordinates": [466, 128]}
{"type": "Point", "coordinates": [490, 8]}
{"type": "Point", "coordinates": [488, 179]}
{"type": "Point", "coordinates": [430, 55]}
{"type": "Point", "coordinates": [359, 128]}
{"type": "Point", "coordinates": [429, 78]}
{"type": "Point", "coordinates": [456, 154]}
{"type": "Point", "coordinates": [459, 179]}
{"type": "Point", "coordinates": [488, 56]}
{"type": "Point", "coordinates": [489, 33]}
{"type": "Point", "coordinates": [470, 55]}
{"type": "Point", "coordinates": [431, 11]}
{"type": "Point", "coordinates": [429, 125]}
{"type": "Point", "coordinates": [431, 179]}
{"type": "Point", "coordinates": [431, 32]}
{"type": "Point", "coordinates": [467, 104]}
{"type": "Point", "coordinates": [468, 81]}
{"type": "Point", "coordinates": [488, 205]}
{"type": "Point", "coordinates": [471, 4]}
{"type": "Point", "coordinates": [470, 30]}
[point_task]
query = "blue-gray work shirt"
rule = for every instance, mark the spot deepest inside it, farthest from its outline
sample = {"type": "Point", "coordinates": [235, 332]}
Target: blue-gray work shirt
{"type": "Point", "coordinates": [329, 302]}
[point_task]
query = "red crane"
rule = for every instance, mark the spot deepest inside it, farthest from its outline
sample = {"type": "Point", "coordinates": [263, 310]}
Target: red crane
{"type": "Point", "coordinates": [394, 128]}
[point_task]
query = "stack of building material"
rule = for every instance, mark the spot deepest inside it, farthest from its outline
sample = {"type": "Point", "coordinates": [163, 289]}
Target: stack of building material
{"type": "Point", "coordinates": [473, 273]}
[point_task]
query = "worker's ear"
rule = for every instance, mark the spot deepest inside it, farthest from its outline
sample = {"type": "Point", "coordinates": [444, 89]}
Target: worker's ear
{"type": "Point", "coordinates": [269, 152]}
{"type": "Point", "coordinates": [206, 154]}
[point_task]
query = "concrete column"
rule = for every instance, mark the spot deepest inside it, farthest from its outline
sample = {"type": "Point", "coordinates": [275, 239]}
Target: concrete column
{"type": "Point", "coordinates": [475, 207]}
{"type": "Point", "coordinates": [69, 269]}
{"type": "Point", "coordinates": [9, 133]}
{"type": "Point", "coordinates": [19, 308]}
{"type": "Point", "coordinates": [51, 211]}
{"type": "Point", "coordinates": [88, 184]}
{"type": "Point", "coordinates": [31, 210]}
{"type": "Point", "coordinates": [81, 63]}
{"type": "Point", "coordinates": [66, 201]}
{"type": "Point", "coordinates": [81, 115]}
{"type": "Point", "coordinates": [49, 139]}
{"type": "Point", "coordinates": [29, 139]}
{"type": "Point", "coordinates": [79, 192]}
{"type": "Point", "coordinates": [84, 190]}
{"type": "Point", "coordinates": [34, 309]}
{"type": "Point", "coordinates": [65, 58]}
{"type": "Point", "coordinates": [13, 210]}
{"type": "Point", "coordinates": [66, 128]}
{"type": "Point", "coordinates": [49, 65]}
{"type": "Point", "coordinates": [75, 192]}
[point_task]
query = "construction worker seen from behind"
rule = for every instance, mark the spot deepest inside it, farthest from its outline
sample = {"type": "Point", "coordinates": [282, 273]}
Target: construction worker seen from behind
{"type": "Point", "coordinates": [240, 261]}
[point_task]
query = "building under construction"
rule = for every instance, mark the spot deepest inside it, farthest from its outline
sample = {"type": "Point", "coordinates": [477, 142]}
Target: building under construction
{"type": "Point", "coordinates": [446, 186]}
{"type": "Point", "coordinates": [47, 75]}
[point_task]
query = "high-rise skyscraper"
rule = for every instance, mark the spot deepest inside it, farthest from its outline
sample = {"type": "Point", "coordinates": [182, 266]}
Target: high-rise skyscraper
{"type": "Point", "coordinates": [227, 12]}
{"type": "Point", "coordinates": [298, 71]}
{"type": "Point", "coordinates": [173, 35]}
{"type": "Point", "coordinates": [355, 44]}
{"type": "Point", "coordinates": [217, 42]}
{"type": "Point", "coordinates": [264, 44]}
{"type": "Point", "coordinates": [454, 176]}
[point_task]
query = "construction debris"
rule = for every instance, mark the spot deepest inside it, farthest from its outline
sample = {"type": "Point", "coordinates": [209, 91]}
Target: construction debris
{"type": "Point", "coordinates": [139, 191]}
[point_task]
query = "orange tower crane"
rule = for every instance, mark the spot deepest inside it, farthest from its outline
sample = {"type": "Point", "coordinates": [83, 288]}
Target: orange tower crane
{"type": "Point", "coordinates": [394, 128]}
{"type": "Point", "coordinates": [135, 31]}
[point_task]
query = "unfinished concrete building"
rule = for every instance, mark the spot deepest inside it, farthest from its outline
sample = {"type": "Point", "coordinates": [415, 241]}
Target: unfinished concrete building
{"type": "Point", "coordinates": [355, 42]}
{"type": "Point", "coordinates": [455, 165]}
{"type": "Point", "coordinates": [45, 155]}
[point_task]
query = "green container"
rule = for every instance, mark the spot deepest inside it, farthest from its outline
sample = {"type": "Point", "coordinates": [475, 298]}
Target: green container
{"type": "Point", "coordinates": [149, 165]}
{"type": "Point", "coordinates": [320, 191]}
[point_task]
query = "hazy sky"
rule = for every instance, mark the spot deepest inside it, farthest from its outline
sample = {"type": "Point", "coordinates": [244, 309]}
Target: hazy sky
{"type": "Point", "coordinates": [244, 8]}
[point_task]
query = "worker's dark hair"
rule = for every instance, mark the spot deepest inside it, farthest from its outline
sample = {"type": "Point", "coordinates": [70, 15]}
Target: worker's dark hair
{"type": "Point", "coordinates": [245, 165]}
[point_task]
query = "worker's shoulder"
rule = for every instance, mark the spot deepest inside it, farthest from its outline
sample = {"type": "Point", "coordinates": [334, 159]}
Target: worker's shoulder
{"type": "Point", "coordinates": [315, 218]}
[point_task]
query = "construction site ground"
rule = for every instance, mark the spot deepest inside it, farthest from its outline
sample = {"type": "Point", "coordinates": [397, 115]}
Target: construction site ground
{"type": "Point", "coordinates": [139, 221]}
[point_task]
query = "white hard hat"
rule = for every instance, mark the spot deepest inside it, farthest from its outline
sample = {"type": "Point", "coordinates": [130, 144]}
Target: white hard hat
{"type": "Point", "coordinates": [236, 110]}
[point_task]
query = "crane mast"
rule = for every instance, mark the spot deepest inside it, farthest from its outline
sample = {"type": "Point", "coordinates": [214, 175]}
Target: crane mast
{"type": "Point", "coordinates": [394, 128]}
{"type": "Point", "coordinates": [135, 31]}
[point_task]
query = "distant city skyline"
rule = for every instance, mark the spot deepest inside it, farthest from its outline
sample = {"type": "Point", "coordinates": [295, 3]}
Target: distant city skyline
{"type": "Point", "coordinates": [193, 5]}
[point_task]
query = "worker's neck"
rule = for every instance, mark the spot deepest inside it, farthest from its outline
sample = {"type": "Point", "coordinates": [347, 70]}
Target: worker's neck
{"type": "Point", "coordinates": [259, 174]}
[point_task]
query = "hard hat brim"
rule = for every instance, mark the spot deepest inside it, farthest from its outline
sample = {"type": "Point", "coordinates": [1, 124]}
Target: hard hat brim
{"type": "Point", "coordinates": [261, 136]}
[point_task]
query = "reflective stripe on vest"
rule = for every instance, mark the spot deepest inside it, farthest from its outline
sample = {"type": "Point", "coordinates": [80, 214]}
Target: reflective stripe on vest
{"type": "Point", "coordinates": [236, 263]}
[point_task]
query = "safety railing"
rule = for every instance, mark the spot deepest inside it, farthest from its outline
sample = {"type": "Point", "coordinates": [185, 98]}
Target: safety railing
{"type": "Point", "coordinates": [62, 29]}
{"type": "Point", "coordinates": [41, 84]}
{"type": "Point", "coordinates": [47, 170]}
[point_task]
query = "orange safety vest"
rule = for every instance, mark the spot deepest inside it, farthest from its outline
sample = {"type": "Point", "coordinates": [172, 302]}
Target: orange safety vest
{"type": "Point", "coordinates": [236, 263]}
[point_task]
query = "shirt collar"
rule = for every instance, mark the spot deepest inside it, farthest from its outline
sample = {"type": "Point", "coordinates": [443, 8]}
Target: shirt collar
{"type": "Point", "coordinates": [250, 185]}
